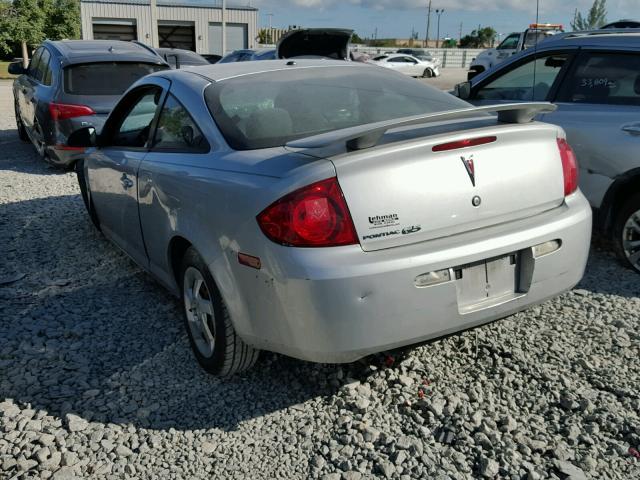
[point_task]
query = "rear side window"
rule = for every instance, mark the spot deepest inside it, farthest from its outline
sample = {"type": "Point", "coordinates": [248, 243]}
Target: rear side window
{"type": "Point", "coordinates": [176, 131]}
{"type": "Point", "coordinates": [604, 78]}
{"type": "Point", "coordinates": [531, 81]}
{"type": "Point", "coordinates": [272, 108]}
{"type": "Point", "coordinates": [111, 78]}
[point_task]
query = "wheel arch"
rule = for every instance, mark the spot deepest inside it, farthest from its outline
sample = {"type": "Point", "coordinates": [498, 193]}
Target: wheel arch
{"type": "Point", "coordinates": [178, 246]}
{"type": "Point", "coordinates": [622, 188]}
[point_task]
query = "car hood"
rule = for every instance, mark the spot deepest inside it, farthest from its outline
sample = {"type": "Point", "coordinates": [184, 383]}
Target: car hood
{"type": "Point", "coordinates": [315, 42]}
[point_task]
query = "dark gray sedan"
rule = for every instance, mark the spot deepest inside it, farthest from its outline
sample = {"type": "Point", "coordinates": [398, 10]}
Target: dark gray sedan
{"type": "Point", "coordinates": [71, 84]}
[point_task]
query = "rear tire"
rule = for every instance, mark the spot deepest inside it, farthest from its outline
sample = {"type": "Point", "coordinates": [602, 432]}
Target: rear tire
{"type": "Point", "coordinates": [22, 132]}
{"type": "Point", "coordinates": [79, 167]}
{"type": "Point", "coordinates": [626, 233]}
{"type": "Point", "coordinates": [214, 342]}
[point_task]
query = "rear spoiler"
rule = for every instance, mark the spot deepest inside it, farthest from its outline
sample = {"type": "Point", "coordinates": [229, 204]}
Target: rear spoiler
{"type": "Point", "coordinates": [367, 136]}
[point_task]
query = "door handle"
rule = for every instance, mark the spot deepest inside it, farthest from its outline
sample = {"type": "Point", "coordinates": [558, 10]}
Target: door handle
{"type": "Point", "coordinates": [126, 182]}
{"type": "Point", "coordinates": [632, 129]}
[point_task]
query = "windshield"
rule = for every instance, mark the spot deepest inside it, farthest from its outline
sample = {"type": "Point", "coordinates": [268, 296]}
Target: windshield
{"type": "Point", "coordinates": [510, 43]}
{"type": "Point", "coordinates": [109, 78]}
{"type": "Point", "coordinates": [272, 108]}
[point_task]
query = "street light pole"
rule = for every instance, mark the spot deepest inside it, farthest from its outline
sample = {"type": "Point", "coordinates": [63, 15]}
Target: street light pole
{"type": "Point", "coordinates": [426, 37]}
{"type": "Point", "coordinates": [224, 27]}
{"type": "Point", "coordinates": [439, 12]}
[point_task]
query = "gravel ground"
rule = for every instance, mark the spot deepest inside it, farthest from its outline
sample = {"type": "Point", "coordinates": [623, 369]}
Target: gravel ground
{"type": "Point", "coordinates": [97, 380]}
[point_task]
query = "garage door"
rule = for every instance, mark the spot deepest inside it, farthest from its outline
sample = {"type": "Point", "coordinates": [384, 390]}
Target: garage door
{"type": "Point", "coordinates": [177, 35]}
{"type": "Point", "coordinates": [117, 30]}
{"type": "Point", "coordinates": [236, 37]}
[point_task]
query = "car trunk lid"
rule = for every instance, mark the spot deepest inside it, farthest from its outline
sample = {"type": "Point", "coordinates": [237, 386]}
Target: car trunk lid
{"type": "Point", "coordinates": [315, 42]}
{"type": "Point", "coordinates": [405, 192]}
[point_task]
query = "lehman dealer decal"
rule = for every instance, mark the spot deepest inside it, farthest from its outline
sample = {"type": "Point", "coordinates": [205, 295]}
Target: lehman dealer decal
{"type": "Point", "coordinates": [380, 221]}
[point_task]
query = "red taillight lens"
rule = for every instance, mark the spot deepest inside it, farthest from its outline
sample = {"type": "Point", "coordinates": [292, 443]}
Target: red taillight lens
{"type": "Point", "coordinates": [313, 216]}
{"type": "Point", "coordinates": [569, 167]}
{"type": "Point", "coordinates": [62, 111]}
{"type": "Point", "coordinates": [467, 142]}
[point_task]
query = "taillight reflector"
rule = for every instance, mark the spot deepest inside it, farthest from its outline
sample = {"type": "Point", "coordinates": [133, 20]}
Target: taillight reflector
{"type": "Point", "coordinates": [569, 166]}
{"type": "Point", "coordinates": [312, 216]}
{"type": "Point", "coordinates": [467, 142]}
{"type": "Point", "coordinates": [62, 111]}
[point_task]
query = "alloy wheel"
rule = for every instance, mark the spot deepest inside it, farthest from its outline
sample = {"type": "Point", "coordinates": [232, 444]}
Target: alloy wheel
{"type": "Point", "coordinates": [38, 139]}
{"type": "Point", "coordinates": [199, 310]}
{"type": "Point", "coordinates": [631, 239]}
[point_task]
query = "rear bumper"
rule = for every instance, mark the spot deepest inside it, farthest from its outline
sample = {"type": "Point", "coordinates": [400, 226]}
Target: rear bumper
{"type": "Point", "coordinates": [63, 156]}
{"type": "Point", "coordinates": [340, 304]}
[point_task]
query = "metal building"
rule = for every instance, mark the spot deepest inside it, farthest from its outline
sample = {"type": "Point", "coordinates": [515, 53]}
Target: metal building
{"type": "Point", "coordinates": [175, 24]}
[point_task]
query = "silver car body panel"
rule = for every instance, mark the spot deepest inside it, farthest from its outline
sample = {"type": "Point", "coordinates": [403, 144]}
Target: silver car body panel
{"type": "Point", "coordinates": [340, 303]}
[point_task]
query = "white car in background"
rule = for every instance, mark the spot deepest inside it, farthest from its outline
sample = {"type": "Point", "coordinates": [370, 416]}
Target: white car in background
{"type": "Point", "coordinates": [407, 64]}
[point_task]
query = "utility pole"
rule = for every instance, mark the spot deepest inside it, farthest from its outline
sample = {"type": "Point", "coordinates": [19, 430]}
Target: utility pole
{"type": "Point", "coordinates": [270, 15]}
{"type": "Point", "coordinates": [426, 37]}
{"type": "Point", "coordinates": [224, 27]}
{"type": "Point", "coordinates": [154, 24]}
{"type": "Point", "coordinates": [460, 33]}
{"type": "Point", "coordinates": [439, 12]}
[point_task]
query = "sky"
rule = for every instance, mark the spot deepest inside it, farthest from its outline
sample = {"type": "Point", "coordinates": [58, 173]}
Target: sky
{"type": "Point", "coordinates": [397, 18]}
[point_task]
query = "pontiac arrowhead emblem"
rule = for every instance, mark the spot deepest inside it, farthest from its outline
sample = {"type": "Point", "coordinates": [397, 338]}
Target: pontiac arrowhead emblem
{"type": "Point", "coordinates": [471, 170]}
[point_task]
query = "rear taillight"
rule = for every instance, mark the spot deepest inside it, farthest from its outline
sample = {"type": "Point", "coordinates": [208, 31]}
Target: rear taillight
{"type": "Point", "coordinates": [312, 216]}
{"type": "Point", "coordinates": [569, 166]}
{"type": "Point", "coordinates": [62, 111]}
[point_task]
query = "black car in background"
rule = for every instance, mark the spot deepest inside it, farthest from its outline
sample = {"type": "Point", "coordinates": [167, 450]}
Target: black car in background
{"type": "Point", "coordinates": [71, 84]}
{"type": "Point", "coordinates": [179, 58]}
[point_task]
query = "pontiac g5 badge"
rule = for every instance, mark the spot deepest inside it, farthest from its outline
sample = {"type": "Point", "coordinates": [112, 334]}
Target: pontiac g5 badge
{"type": "Point", "coordinates": [471, 170]}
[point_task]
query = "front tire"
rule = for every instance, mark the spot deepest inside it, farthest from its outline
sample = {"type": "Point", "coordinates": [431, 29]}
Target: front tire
{"type": "Point", "coordinates": [214, 342]}
{"type": "Point", "coordinates": [428, 73]}
{"type": "Point", "coordinates": [626, 233]}
{"type": "Point", "coordinates": [22, 132]}
{"type": "Point", "coordinates": [84, 192]}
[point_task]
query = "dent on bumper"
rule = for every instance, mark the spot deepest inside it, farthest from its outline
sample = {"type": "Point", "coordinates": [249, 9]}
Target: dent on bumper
{"type": "Point", "coordinates": [351, 304]}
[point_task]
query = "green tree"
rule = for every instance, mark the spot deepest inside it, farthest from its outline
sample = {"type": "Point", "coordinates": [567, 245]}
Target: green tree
{"type": "Point", "coordinates": [596, 17]}
{"type": "Point", "coordinates": [355, 38]}
{"type": "Point", "coordinates": [25, 25]}
{"type": "Point", "coordinates": [29, 22]}
{"type": "Point", "coordinates": [63, 21]}
{"type": "Point", "coordinates": [480, 38]}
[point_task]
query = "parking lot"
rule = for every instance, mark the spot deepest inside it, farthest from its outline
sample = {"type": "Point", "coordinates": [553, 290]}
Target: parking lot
{"type": "Point", "coordinates": [97, 378]}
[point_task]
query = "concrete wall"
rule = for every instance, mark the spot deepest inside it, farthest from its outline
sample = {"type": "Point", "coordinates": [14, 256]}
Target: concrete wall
{"type": "Point", "coordinates": [449, 57]}
{"type": "Point", "coordinates": [141, 13]}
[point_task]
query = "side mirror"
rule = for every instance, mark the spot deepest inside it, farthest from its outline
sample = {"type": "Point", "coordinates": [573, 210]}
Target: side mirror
{"type": "Point", "coordinates": [84, 137]}
{"type": "Point", "coordinates": [16, 68]}
{"type": "Point", "coordinates": [462, 90]}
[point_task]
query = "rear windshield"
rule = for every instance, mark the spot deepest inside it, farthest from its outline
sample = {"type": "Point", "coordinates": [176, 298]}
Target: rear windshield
{"type": "Point", "coordinates": [272, 108]}
{"type": "Point", "coordinates": [111, 78]}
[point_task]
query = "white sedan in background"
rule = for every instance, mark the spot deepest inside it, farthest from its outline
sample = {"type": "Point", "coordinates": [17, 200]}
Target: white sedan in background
{"type": "Point", "coordinates": [407, 64]}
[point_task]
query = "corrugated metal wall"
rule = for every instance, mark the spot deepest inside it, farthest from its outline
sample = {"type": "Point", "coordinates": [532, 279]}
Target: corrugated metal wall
{"type": "Point", "coordinates": [200, 16]}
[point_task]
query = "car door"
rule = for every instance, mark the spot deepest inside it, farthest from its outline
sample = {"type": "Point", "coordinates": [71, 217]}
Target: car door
{"type": "Point", "coordinates": [27, 90]}
{"type": "Point", "coordinates": [532, 79]}
{"type": "Point", "coordinates": [599, 108]}
{"type": "Point", "coordinates": [398, 64]}
{"type": "Point", "coordinates": [113, 167]}
{"type": "Point", "coordinates": [166, 181]}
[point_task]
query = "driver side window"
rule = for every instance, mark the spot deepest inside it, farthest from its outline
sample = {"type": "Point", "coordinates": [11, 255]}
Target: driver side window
{"type": "Point", "coordinates": [135, 126]}
{"type": "Point", "coordinates": [531, 81]}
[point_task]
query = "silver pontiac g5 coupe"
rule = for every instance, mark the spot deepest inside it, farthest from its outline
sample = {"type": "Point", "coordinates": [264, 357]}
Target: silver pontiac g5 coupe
{"type": "Point", "coordinates": [329, 210]}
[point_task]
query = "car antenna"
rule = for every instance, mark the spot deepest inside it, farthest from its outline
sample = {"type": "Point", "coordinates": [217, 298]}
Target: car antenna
{"type": "Point", "coordinates": [535, 52]}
